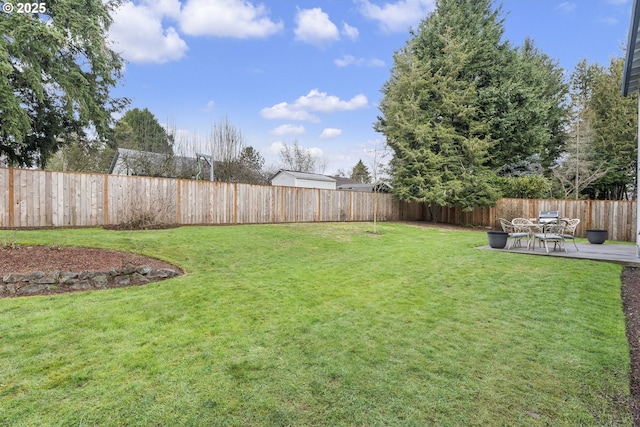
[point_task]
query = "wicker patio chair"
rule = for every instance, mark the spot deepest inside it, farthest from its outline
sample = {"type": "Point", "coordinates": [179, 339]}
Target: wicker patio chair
{"type": "Point", "coordinates": [552, 233]}
{"type": "Point", "coordinates": [515, 233]}
{"type": "Point", "coordinates": [524, 225]}
{"type": "Point", "coordinates": [521, 221]}
{"type": "Point", "coordinates": [570, 230]}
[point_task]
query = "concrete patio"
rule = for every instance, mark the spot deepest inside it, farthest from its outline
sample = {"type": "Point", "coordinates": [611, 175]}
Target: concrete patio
{"type": "Point", "coordinates": [620, 253]}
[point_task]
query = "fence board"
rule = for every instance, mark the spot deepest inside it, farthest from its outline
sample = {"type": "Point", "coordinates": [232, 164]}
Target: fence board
{"type": "Point", "coordinates": [4, 197]}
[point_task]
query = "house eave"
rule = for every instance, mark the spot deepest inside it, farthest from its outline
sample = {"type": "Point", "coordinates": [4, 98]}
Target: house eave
{"type": "Point", "coordinates": [631, 73]}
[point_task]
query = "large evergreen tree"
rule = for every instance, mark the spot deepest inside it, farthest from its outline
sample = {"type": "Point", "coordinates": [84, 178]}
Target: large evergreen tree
{"type": "Point", "coordinates": [532, 122]}
{"type": "Point", "coordinates": [56, 71]}
{"type": "Point", "coordinates": [462, 102]}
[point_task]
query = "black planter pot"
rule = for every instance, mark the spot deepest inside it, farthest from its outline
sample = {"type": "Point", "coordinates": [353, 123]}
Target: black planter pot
{"type": "Point", "coordinates": [497, 239]}
{"type": "Point", "coordinates": [596, 237]}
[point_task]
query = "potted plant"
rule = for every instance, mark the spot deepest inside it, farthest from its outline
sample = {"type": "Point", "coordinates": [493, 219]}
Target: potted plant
{"type": "Point", "coordinates": [596, 237]}
{"type": "Point", "coordinates": [497, 239]}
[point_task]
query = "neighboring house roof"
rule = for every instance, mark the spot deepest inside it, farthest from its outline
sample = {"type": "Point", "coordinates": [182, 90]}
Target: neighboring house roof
{"type": "Point", "coordinates": [304, 175]}
{"type": "Point", "coordinates": [631, 74]}
{"type": "Point", "coordinates": [341, 180]}
{"type": "Point", "coordinates": [380, 188]}
{"type": "Point", "coordinates": [136, 162]}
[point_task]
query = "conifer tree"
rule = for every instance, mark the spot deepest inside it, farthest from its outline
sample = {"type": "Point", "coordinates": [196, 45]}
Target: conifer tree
{"type": "Point", "coordinates": [360, 173]}
{"type": "Point", "coordinates": [461, 102]}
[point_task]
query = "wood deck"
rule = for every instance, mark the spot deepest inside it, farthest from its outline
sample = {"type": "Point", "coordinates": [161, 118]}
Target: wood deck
{"type": "Point", "coordinates": [620, 253]}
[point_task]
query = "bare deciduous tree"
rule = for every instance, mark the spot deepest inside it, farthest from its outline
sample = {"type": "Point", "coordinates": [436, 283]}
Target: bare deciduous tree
{"type": "Point", "coordinates": [226, 143]}
{"type": "Point", "coordinates": [579, 167]}
{"type": "Point", "coordinates": [299, 159]}
{"type": "Point", "coordinates": [376, 163]}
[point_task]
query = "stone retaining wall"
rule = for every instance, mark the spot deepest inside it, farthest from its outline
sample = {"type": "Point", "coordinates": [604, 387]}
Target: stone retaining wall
{"type": "Point", "coordinates": [57, 282]}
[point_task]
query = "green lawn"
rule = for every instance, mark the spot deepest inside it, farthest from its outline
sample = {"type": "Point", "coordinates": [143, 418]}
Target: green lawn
{"type": "Point", "coordinates": [320, 325]}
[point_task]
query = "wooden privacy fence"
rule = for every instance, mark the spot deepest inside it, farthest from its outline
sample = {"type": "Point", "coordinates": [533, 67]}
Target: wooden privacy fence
{"type": "Point", "coordinates": [34, 198]}
{"type": "Point", "coordinates": [618, 217]}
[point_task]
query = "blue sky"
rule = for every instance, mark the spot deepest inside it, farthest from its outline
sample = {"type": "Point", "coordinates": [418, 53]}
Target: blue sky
{"type": "Point", "coordinates": [311, 70]}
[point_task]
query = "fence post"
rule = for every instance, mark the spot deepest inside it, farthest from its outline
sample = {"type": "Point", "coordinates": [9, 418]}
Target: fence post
{"type": "Point", "coordinates": [105, 201]}
{"type": "Point", "coordinates": [235, 203]}
{"type": "Point", "coordinates": [179, 197]}
{"type": "Point", "coordinates": [11, 199]}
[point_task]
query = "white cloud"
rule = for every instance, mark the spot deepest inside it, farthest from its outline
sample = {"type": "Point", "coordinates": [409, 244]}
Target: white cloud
{"type": "Point", "coordinates": [276, 147]}
{"type": "Point", "coordinates": [349, 31]}
{"type": "Point", "coordinates": [315, 27]}
{"type": "Point", "coordinates": [316, 152]}
{"type": "Point", "coordinates": [329, 133]}
{"type": "Point", "coordinates": [398, 16]}
{"type": "Point", "coordinates": [227, 18]}
{"type": "Point", "coordinates": [321, 102]}
{"type": "Point", "coordinates": [285, 111]}
{"type": "Point", "coordinates": [288, 130]}
{"type": "Point", "coordinates": [566, 7]}
{"type": "Point", "coordinates": [314, 101]}
{"type": "Point", "coordinates": [165, 7]}
{"type": "Point", "coordinates": [209, 107]}
{"type": "Point", "coordinates": [138, 35]}
{"type": "Point", "coordinates": [348, 60]}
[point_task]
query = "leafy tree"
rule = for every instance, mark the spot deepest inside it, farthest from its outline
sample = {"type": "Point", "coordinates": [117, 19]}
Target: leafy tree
{"type": "Point", "coordinates": [360, 173]}
{"type": "Point", "coordinates": [140, 130]}
{"type": "Point", "coordinates": [91, 156]}
{"type": "Point", "coordinates": [461, 102]}
{"type": "Point", "coordinates": [56, 71]}
{"type": "Point", "coordinates": [615, 124]}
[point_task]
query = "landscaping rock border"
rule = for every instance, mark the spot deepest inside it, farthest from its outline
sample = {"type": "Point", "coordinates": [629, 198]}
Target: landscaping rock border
{"type": "Point", "coordinates": [15, 285]}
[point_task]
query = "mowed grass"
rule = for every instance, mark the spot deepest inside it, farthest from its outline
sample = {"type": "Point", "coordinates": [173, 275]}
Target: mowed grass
{"type": "Point", "coordinates": [320, 325]}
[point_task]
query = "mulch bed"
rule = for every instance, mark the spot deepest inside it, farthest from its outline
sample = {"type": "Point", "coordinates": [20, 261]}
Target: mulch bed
{"type": "Point", "coordinates": [631, 304]}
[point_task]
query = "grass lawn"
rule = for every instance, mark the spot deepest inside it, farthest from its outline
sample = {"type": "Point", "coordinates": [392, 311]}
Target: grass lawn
{"type": "Point", "coordinates": [320, 325]}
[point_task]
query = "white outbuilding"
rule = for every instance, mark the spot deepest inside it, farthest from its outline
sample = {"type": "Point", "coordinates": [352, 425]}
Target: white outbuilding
{"type": "Point", "coordinates": [285, 178]}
